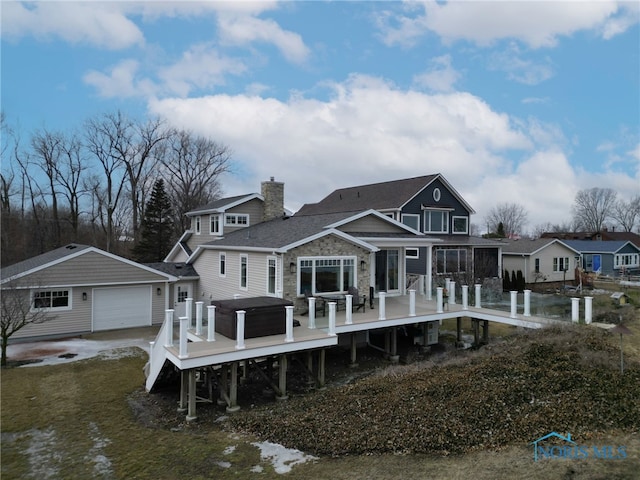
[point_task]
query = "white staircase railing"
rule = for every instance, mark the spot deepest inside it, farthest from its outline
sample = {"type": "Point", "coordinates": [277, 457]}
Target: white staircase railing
{"type": "Point", "coordinates": [157, 350]}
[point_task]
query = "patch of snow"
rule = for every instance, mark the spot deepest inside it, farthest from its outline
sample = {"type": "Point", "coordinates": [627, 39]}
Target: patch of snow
{"type": "Point", "coordinates": [43, 457]}
{"type": "Point", "coordinates": [282, 458]}
{"type": "Point", "coordinates": [56, 351]}
{"type": "Point", "coordinates": [101, 463]}
{"type": "Point", "coordinates": [257, 469]}
{"type": "Point", "coordinates": [224, 464]}
{"type": "Point", "coordinates": [229, 450]}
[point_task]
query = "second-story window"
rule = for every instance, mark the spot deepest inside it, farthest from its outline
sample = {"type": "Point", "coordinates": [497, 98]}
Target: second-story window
{"type": "Point", "coordinates": [244, 267]}
{"type": "Point", "coordinates": [197, 225]}
{"type": "Point", "coordinates": [223, 264]}
{"type": "Point", "coordinates": [436, 221]}
{"type": "Point", "coordinates": [460, 225]}
{"type": "Point", "coordinates": [214, 224]}
{"type": "Point", "coordinates": [236, 219]}
{"type": "Point", "coordinates": [271, 275]}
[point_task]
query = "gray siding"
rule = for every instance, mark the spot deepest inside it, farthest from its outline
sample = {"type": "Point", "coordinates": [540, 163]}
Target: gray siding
{"type": "Point", "coordinates": [371, 224]}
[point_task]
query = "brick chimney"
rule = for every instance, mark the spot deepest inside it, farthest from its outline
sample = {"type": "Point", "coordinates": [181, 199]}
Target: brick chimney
{"type": "Point", "coordinates": [273, 194]}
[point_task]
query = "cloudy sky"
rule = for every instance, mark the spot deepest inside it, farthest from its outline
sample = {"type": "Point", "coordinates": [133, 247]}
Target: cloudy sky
{"type": "Point", "coordinates": [512, 101]}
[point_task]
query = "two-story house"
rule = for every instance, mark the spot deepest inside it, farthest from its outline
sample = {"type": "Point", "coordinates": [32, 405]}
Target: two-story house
{"type": "Point", "coordinates": [429, 205]}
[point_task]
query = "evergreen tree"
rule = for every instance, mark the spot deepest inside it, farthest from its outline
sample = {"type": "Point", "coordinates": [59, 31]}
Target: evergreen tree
{"type": "Point", "coordinates": [157, 227]}
{"type": "Point", "coordinates": [521, 282]}
{"type": "Point", "coordinates": [506, 281]}
{"type": "Point", "coordinates": [514, 280]}
{"type": "Point", "coordinates": [500, 232]}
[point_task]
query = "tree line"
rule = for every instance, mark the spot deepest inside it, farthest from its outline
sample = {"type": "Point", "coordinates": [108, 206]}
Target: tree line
{"type": "Point", "coordinates": [593, 210]}
{"type": "Point", "coordinates": [92, 184]}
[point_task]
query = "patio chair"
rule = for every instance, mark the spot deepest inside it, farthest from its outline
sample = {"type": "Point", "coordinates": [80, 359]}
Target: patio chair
{"type": "Point", "coordinates": [320, 303]}
{"type": "Point", "coordinates": [359, 301]}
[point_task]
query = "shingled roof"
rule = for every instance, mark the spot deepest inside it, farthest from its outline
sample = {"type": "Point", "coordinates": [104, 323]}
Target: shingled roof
{"type": "Point", "coordinates": [223, 203]}
{"type": "Point", "coordinates": [41, 260]}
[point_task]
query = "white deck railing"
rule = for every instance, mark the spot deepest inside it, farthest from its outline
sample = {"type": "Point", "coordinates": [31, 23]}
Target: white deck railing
{"type": "Point", "coordinates": [157, 349]}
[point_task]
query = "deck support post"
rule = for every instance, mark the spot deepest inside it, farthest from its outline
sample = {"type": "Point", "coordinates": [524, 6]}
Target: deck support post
{"type": "Point", "coordinates": [439, 297]}
{"type": "Point", "coordinates": [459, 332]}
{"type": "Point", "coordinates": [478, 295]}
{"type": "Point", "coordinates": [282, 377]}
{"type": "Point", "coordinates": [588, 312]}
{"type": "Point", "coordinates": [232, 405]}
{"type": "Point", "coordinates": [199, 318]}
{"type": "Point", "coordinates": [476, 331]}
{"type": "Point", "coordinates": [211, 323]}
{"type": "Point", "coordinates": [394, 358]}
{"type": "Point", "coordinates": [191, 413]}
{"type": "Point", "coordinates": [353, 350]}
{"type": "Point", "coordinates": [485, 331]}
{"type": "Point", "coordinates": [223, 385]}
{"type": "Point", "coordinates": [309, 360]}
{"type": "Point", "coordinates": [387, 344]}
{"type": "Point", "coordinates": [321, 367]}
{"type": "Point", "coordinates": [184, 386]}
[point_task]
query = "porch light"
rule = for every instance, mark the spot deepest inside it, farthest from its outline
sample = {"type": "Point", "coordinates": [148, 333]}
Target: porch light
{"type": "Point", "coordinates": [158, 291]}
{"type": "Point", "coordinates": [292, 267]}
{"type": "Point", "coordinates": [84, 296]}
{"type": "Point", "coordinates": [363, 265]}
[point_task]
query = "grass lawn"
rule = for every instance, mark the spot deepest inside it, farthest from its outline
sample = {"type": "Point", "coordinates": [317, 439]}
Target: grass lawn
{"type": "Point", "coordinates": [75, 421]}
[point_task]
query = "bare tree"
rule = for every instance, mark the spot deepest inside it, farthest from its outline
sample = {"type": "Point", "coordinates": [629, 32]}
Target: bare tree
{"type": "Point", "coordinates": [69, 174]}
{"type": "Point", "coordinates": [192, 166]}
{"type": "Point", "coordinates": [627, 214]}
{"type": "Point", "coordinates": [592, 207]}
{"type": "Point", "coordinates": [17, 313]}
{"type": "Point", "coordinates": [512, 216]}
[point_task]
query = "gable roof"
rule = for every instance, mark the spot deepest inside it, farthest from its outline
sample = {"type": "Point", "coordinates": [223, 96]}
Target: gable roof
{"type": "Point", "coordinates": [597, 246]}
{"type": "Point", "coordinates": [223, 204]}
{"type": "Point", "coordinates": [284, 233]}
{"type": "Point", "coordinates": [531, 247]}
{"type": "Point", "coordinates": [378, 196]}
{"type": "Point", "coordinates": [62, 254]}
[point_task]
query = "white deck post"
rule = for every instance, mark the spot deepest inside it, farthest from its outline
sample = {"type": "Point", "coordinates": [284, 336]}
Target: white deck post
{"type": "Point", "coordinates": [575, 309]}
{"type": "Point", "coordinates": [151, 345]}
{"type": "Point", "coordinates": [349, 306]}
{"type": "Point", "coordinates": [236, 296]}
{"type": "Point", "coordinates": [382, 304]}
{"type": "Point", "coordinates": [588, 303]}
{"type": "Point", "coordinates": [240, 329]}
{"type": "Point", "coordinates": [452, 293]}
{"type": "Point", "coordinates": [289, 318]}
{"type": "Point", "coordinates": [465, 297]}
{"type": "Point", "coordinates": [527, 303]}
{"type": "Point", "coordinates": [168, 320]}
{"type": "Point", "coordinates": [478, 293]}
{"type": "Point", "coordinates": [312, 312]}
{"type": "Point", "coordinates": [439, 300]}
{"type": "Point", "coordinates": [211, 323]}
{"type": "Point", "coordinates": [184, 326]}
{"type": "Point", "coordinates": [188, 307]}
{"type": "Point", "coordinates": [332, 319]}
{"type": "Point", "coordinates": [199, 318]}
{"type": "Point", "coordinates": [514, 303]}
{"type": "Point", "coordinates": [412, 303]}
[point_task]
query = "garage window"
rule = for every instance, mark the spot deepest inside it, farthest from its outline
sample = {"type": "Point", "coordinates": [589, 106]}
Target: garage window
{"type": "Point", "coordinates": [51, 300]}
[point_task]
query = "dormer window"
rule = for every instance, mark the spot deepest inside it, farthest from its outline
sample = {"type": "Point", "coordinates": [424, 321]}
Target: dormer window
{"type": "Point", "coordinates": [197, 225]}
{"type": "Point", "coordinates": [436, 221]}
{"type": "Point", "coordinates": [236, 220]}
{"type": "Point", "coordinates": [214, 224]}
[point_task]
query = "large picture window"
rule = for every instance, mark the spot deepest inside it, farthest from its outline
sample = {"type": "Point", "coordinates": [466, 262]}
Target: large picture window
{"type": "Point", "coordinates": [51, 300]}
{"type": "Point", "coordinates": [451, 261]}
{"type": "Point", "coordinates": [326, 275]}
{"type": "Point", "coordinates": [560, 264]}
{"type": "Point", "coordinates": [436, 221]}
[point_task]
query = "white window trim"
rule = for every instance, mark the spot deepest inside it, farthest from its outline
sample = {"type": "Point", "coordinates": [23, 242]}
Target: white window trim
{"type": "Point", "coordinates": [222, 256]}
{"type": "Point", "coordinates": [445, 250]}
{"type": "Point", "coordinates": [436, 194]}
{"type": "Point", "coordinates": [236, 215]}
{"type": "Point", "coordinates": [276, 282]}
{"type": "Point", "coordinates": [243, 256]}
{"type": "Point", "coordinates": [427, 223]}
{"type": "Point", "coordinates": [51, 309]}
{"type": "Point", "coordinates": [453, 224]}
{"type": "Point", "coordinates": [556, 264]}
{"type": "Point", "coordinates": [408, 251]}
{"type": "Point", "coordinates": [633, 260]}
{"type": "Point", "coordinates": [412, 215]}
{"type": "Point", "coordinates": [313, 275]}
{"type": "Point", "coordinates": [198, 225]}
{"type": "Point", "coordinates": [211, 218]}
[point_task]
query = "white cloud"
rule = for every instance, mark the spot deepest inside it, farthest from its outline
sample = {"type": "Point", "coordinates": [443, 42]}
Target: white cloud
{"type": "Point", "coordinates": [442, 77]}
{"type": "Point", "coordinates": [120, 81]}
{"type": "Point", "coordinates": [99, 24]}
{"type": "Point", "coordinates": [538, 24]}
{"type": "Point", "coordinates": [201, 67]}
{"type": "Point", "coordinates": [519, 69]}
{"type": "Point", "coordinates": [242, 30]}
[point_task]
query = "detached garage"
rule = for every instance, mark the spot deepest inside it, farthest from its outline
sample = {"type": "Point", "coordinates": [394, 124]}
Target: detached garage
{"type": "Point", "coordinates": [84, 289]}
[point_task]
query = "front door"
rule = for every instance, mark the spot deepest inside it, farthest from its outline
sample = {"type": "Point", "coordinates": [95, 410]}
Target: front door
{"type": "Point", "coordinates": [182, 292]}
{"type": "Point", "coordinates": [387, 271]}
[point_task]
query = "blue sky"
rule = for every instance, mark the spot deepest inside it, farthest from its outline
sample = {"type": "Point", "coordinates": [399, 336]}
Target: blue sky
{"type": "Point", "coordinates": [524, 102]}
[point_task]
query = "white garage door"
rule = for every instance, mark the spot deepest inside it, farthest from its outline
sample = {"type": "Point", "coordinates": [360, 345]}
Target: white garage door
{"type": "Point", "coordinates": [121, 307]}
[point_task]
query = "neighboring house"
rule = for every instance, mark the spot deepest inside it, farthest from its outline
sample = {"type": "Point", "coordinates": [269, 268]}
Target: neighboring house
{"type": "Point", "coordinates": [607, 257]}
{"type": "Point", "coordinates": [430, 205]}
{"type": "Point", "coordinates": [605, 235]}
{"type": "Point", "coordinates": [85, 289]}
{"type": "Point", "coordinates": [541, 260]}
